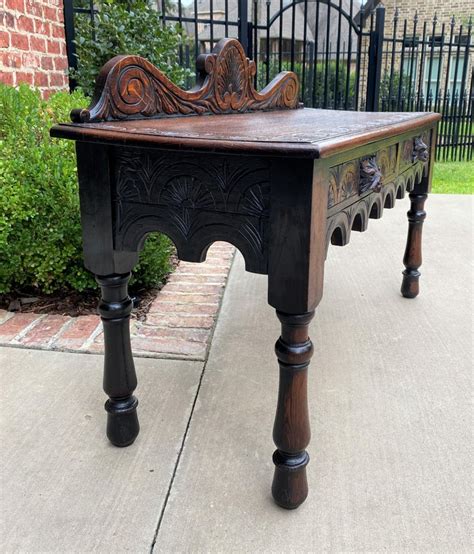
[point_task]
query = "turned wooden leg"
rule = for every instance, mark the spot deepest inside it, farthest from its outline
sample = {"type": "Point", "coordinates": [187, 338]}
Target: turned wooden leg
{"type": "Point", "coordinates": [412, 258]}
{"type": "Point", "coordinates": [119, 372]}
{"type": "Point", "coordinates": [291, 432]}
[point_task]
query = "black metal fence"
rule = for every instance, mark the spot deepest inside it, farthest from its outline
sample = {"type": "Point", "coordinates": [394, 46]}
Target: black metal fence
{"type": "Point", "coordinates": [346, 57]}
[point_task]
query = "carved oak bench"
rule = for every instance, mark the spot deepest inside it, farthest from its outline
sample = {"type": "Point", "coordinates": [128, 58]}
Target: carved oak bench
{"type": "Point", "coordinates": [223, 162]}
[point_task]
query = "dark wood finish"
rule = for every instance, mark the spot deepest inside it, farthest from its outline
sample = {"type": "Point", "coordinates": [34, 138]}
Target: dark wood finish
{"type": "Point", "coordinates": [130, 86]}
{"type": "Point", "coordinates": [280, 183]}
{"type": "Point", "coordinates": [291, 431]}
{"type": "Point", "coordinates": [302, 133]}
{"type": "Point", "coordinates": [119, 371]}
{"type": "Point", "coordinates": [412, 258]}
{"type": "Point", "coordinates": [370, 175]}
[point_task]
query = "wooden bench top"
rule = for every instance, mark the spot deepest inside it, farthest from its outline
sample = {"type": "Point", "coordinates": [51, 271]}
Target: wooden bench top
{"type": "Point", "coordinates": [304, 132]}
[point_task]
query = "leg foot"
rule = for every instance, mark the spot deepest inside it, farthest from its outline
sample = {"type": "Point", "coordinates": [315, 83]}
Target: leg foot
{"type": "Point", "coordinates": [119, 371]}
{"type": "Point", "coordinates": [412, 258]}
{"type": "Point", "coordinates": [122, 421]}
{"type": "Point", "coordinates": [291, 432]}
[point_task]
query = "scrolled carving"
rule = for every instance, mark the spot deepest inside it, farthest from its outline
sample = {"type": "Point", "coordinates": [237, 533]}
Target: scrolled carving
{"type": "Point", "coordinates": [370, 175]}
{"type": "Point", "coordinates": [420, 151]}
{"type": "Point", "coordinates": [131, 87]}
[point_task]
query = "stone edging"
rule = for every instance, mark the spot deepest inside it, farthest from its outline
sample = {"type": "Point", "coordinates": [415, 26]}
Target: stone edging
{"type": "Point", "coordinates": [179, 323]}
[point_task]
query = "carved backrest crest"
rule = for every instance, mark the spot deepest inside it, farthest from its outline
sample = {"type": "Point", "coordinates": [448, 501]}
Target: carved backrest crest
{"type": "Point", "coordinates": [130, 87]}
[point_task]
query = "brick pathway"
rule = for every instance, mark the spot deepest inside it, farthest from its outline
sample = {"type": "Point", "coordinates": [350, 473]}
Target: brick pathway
{"type": "Point", "coordinates": [179, 323]}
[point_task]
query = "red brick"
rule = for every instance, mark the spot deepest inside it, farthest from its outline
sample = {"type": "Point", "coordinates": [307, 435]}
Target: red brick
{"type": "Point", "coordinates": [4, 39]}
{"type": "Point", "coordinates": [23, 77]}
{"type": "Point", "coordinates": [24, 23]}
{"type": "Point", "coordinates": [11, 59]}
{"type": "Point", "coordinates": [33, 7]}
{"type": "Point", "coordinates": [75, 335]}
{"type": "Point", "coordinates": [178, 298]}
{"type": "Point", "coordinates": [53, 47]}
{"type": "Point", "coordinates": [187, 334]}
{"type": "Point", "coordinates": [170, 346]}
{"type": "Point", "coordinates": [218, 279]}
{"type": "Point", "coordinates": [181, 321]}
{"type": "Point", "coordinates": [38, 44]}
{"type": "Point", "coordinates": [18, 5]}
{"type": "Point", "coordinates": [19, 41]}
{"type": "Point", "coordinates": [6, 78]}
{"type": "Point", "coordinates": [7, 21]}
{"type": "Point", "coordinates": [44, 331]}
{"type": "Point", "coordinates": [50, 13]}
{"type": "Point", "coordinates": [46, 62]}
{"type": "Point", "coordinates": [57, 31]}
{"type": "Point", "coordinates": [202, 269]}
{"type": "Point", "coordinates": [11, 328]}
{"type": "Point", "coordinates": [30, 60]}
{"type": "Point", "coordinates": [4, 315]}
{"type": "Point", "coordinates": [57, 80]}
{"type": "Point", "coordinates": [60, 63]}
{"type": "Point", "coordinates": [205, 288]}
{"type": "Point", "coordinates": [164, 307]}
{"type": "Point", "coordinates": [41, 79]}
{"type": "Point", "coordinates": [42, 27]}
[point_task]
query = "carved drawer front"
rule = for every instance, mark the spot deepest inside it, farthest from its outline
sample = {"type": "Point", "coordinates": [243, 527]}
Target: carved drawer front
{"type": "Point", "coordinates": [361, 175]}
{"type": "Point", "coordinates": [195, 200]}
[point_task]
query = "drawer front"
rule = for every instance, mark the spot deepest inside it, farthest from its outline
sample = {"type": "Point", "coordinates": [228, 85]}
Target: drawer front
{"type": "Point", "coordinates": [360, 176]}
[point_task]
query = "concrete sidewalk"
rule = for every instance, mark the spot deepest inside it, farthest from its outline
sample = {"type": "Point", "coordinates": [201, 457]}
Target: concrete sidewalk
{"type": "Point", "coordinates": [390, 391]}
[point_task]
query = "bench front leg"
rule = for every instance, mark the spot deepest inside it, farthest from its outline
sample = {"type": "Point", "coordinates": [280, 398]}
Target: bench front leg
{"type": "Point", "coordinates": [291, 431]}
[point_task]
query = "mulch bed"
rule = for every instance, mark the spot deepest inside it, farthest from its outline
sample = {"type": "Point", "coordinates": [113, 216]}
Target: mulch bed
{"type": "Point", "coordinates": [74, 303]}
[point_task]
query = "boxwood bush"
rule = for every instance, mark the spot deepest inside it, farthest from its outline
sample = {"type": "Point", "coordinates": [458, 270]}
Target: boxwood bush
{"type": "Point", "coordinates": [125, 27]}
{"type": "Point", "coordinates": [40, 232]}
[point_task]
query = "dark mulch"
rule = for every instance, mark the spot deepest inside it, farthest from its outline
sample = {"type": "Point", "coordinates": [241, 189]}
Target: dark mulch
{"type": "Point", "coordinates": [75, 303]}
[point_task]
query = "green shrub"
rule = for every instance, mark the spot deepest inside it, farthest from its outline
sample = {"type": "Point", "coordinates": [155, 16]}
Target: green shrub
{"type": "Point", "coordinates": [125, 27]}
{"type": "Point", "coordinates": [40, 233]}
{"type": "Point", "coordinates": [313, 95]}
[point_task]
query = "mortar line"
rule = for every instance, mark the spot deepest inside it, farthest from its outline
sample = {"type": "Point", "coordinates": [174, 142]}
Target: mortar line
{"type": "Point", "coordinates": [191, 414]}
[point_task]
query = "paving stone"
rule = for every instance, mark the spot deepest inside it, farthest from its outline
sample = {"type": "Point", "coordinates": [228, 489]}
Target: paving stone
{"type": "Point", "coordinates": [181, 320]}
{"type": "Point", "coordinates": [5, 315]}
{"type": "Point", "coordinates": [194, 288]}
{"type": "Point", "coordinates": [181, 298]}
{"type": "Point", "coordinates": [189, 278]}
{"type": "Point", "coordinates": [165, 307]}
{"type": "Point", "coordinates": [75, 335]}
{"type": "Point", "coordinates": [15, 325]}
{"type": "Point", "coordinates": [44, 330]}
{"type": "Point", "coordinates": [186, 334]}
{"type": "Point", "coordinates": [194, 350]}
{"type": "Point", "coordinates": [205, 269]}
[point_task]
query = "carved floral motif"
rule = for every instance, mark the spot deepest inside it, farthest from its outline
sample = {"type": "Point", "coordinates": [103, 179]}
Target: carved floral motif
{"type": "Point", "coordinates": [131, 87]}
{"type": "Point", "coordinates": [370, 175]}
{"type": "Point", "coordinates": [416, 149]}
{"type": "Point", "coordinates": [420, 150]}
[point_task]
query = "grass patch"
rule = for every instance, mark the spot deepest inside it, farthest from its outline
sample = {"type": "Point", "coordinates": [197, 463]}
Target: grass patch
{"type": "Point", "coordinates": [453, 177]}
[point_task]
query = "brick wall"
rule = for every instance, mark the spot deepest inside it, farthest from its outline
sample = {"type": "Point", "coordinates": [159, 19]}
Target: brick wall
{"type": "Point", "coordinates": [444, 10]}
{"type": "Point", "coordinates": [32, 44]}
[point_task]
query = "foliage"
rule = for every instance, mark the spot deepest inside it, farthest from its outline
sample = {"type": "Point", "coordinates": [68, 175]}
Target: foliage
{"type": "Point", "coordinates": [40, 232]}
{"type": "Point", "coordinates": [125, 27]}
{"type": "Point", "coordinates": [453, 177]}
{"type": "Point", "coordinates": [313, 95]}
{"type": "Point", "coordinates": [394, 89]}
